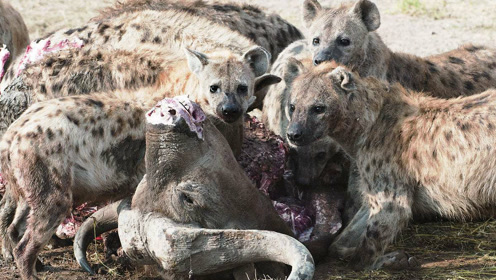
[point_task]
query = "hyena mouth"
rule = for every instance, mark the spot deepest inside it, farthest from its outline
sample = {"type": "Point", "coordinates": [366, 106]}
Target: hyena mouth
{"type": "Point", "coordinates": [230, 119]}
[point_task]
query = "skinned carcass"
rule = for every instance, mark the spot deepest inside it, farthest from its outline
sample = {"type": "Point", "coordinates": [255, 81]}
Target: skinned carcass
{"type": "Point", "coordinates": [312, 213]}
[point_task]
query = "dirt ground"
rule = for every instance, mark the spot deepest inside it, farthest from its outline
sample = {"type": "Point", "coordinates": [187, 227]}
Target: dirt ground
{"type": "Point", "coordinates": [446, 250]}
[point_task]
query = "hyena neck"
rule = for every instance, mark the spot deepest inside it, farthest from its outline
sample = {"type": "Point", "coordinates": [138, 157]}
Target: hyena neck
{"type": "Point", "coordinates": [392, 104]}
{"type": "Point", "coordinates": [233, 132]}
{"type": "Point", "coordinates": [359, 122]}
{"type": "Point", "coordinates": [349, 138]}
{"type": "Point", "coordinates": [374, 58]}
{"type": "Point", "coordinates": [404, 68]}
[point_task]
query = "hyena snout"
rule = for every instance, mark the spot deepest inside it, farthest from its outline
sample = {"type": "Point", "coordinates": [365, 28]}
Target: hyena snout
{"type": "Point", "coordinates": [295, 134]}
{"type": "Point", "coordinates": [229, 112]}
{"type": "Point", "coordinates": [323, 56]}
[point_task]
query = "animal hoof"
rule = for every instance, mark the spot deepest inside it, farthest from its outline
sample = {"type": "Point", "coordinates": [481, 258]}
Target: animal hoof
{"type": "Point", "coordinates": [398, 260]}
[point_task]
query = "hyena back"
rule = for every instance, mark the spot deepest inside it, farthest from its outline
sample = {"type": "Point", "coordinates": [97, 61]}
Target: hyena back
{"type": "Point", "coordinates": [268, 31]}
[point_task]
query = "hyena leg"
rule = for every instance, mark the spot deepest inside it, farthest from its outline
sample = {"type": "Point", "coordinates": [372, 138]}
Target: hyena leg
{"type": "Point", "coordinates": [348, 241]}
{"type": "Point", "coordinates": [47, 195]}
{"type": "Point", "coordinates": [41, 224]}
{"type": "Point", "coordinates": [382, 216]}
{"type": "Point", "coordinates": [353, 195]}
{"type": "Point", "coordinates": [398, 260]}
{"type": "Point", "coordinates": [7, 213]}
{"type": "Point", "coordinates": [18, 225]}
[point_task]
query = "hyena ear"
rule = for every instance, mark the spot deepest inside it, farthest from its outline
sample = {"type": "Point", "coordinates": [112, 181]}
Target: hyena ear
{"type": "Point", "coordinates": [261, 84]}
{"type": "Point", "coordinates": [292, 69]}
{"type": "Point", "coordinates": [368, 13]}
{"type": "Point", "coordinates": [259, 60]}
{"type": "Point", "coordinates": [344, 78]}
{"type": "Point", "coordinates": [196, 60]}
{"type": "Point", "coordinates": [310, 10]}
{"type": "Point", "coordinates": [265, 81]}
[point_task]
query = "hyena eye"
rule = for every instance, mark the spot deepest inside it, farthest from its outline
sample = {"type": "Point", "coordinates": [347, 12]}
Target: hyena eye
{"type": "Point", "coordinates": [291, 108]}
{"type": "Point", "coordinates": [319, 109]}
{"type": "Point", "coordinates": [344, 42]}
{"type": "Point", "coordinates": [242, 89]}
{"type": "Point", "coordinates": [214, 89]}
{"type": "Point", "coordinates": [316, 41]}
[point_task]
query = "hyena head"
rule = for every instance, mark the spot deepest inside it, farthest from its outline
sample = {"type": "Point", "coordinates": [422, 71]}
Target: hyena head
{"type": "Point", "coordinates": [326, 102]}
{"type": "Point", "coordinates": [340, 34]}
{"type": "Point", "coordinates": [228, 82]}
{"type": "Point", "coordinates": [308, 162]}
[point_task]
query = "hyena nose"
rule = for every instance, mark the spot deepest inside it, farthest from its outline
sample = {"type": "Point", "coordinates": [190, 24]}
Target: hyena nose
{"type": "Point", "coordinates": [230, 113]}
{"type": "Point", "coordinates": [317, 61]}
{"type": "Point", "coordinates": [230, 110]}
{"type": "Point", "coordinates": [295, 133]}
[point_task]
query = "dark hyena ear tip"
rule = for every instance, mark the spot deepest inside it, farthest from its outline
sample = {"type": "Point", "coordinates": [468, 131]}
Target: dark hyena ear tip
{"type": "Point", "coordinates": [196, 60]}
{"type": "Point", "coordinates": [344, 78]}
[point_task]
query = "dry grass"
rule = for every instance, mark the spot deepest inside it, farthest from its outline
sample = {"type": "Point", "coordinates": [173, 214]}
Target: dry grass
{"type": "Point", "coordinates": [42, 16]}
{"type": "Point", "coordinates": [432, 9]}
{"type": "Point", "coordinates": [446, 250]}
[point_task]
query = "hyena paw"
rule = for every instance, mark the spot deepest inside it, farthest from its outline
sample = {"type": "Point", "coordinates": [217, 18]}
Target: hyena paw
{"type": "Point", "coordinates": [398, 260]}
{"type": "Point", "coordinates": [7, 255]}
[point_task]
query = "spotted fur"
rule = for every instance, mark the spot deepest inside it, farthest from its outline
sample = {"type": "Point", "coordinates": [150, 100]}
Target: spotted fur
{"type": "Point", "coordinates": [417, 156]}
{"type": "Point", "coordinates": [268, 31]}
{"type": "Point", "coordinates": [67, 151]}
{"type": "Point", "coordinates": [146, 48]}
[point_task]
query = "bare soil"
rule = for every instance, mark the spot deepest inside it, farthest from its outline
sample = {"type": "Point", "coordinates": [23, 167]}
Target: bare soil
{"type": "Point", "coordinates": [446, 250]}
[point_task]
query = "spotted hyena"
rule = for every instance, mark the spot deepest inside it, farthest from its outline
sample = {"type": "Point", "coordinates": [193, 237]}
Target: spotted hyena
{"type": "Point", "coordinates": [346, 34]}
{"type": "Point", "coordinates": [13, 32]}
{"type": "Point", "coordinates": [320, 164]}
{"type": "Point", "coordinates": [288, 65]}
{"type": "Point", "coordinates": [152, 24]}
{"type": "Point", "coordinates": [416, 156]}
{"type": "Point", "coordinates": [68, 151]}
{"type": "Point", "coordinates": [145, 48]}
